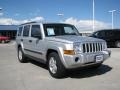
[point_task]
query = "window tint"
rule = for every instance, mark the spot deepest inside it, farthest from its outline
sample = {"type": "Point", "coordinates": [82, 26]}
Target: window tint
{"type": "Point", "coordinates": [101, 34]}
{"type": "Point", "coordinates": [35, 31]}
{"type": "Point", "coordinates": [20, 31]}
{"type": "Point", "coordinates": [109, 33]}
{"type": "Point", "coordinates": [117, 34]}
{"type": "Point", "coordinates": [96, 33]}
{"type": "Point", "coordinates": [26, 30]}
{"type": "Point", "coordinates": [60, 29]}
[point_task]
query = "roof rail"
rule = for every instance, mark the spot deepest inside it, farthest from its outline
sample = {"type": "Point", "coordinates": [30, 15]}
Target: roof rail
{"type": "Point", "coordinates": [29, 23]}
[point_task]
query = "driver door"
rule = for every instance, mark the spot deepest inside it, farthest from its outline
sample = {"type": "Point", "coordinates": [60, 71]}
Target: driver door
{"type": "Point", "coordinates": [36, 42]}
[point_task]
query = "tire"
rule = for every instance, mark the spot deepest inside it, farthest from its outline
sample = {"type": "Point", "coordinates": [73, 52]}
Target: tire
{"type": "Point", "coordinates": [55, 66]}
{"type": "Point", "coordinates": [21, 56]}
{"type": "Point", "coordinates": [117, 44]}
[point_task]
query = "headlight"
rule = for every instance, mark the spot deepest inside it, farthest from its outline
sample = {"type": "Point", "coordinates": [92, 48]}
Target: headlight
{"type": "Point", "coordinates": [104, 46]}
{"type": "Point", "coordinates": [77, 48]}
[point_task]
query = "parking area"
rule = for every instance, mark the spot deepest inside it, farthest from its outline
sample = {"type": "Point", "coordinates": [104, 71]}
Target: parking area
{"type": "Point", "coordinates": [35, 76]}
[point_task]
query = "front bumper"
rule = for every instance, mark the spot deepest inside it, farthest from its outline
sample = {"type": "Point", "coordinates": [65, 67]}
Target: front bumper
{"type": "Point", "coordinates": [85, 59]}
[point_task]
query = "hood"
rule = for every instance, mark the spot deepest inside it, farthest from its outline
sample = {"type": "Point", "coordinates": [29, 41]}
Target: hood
{"type": "Point", "coordinates": [73, 39]}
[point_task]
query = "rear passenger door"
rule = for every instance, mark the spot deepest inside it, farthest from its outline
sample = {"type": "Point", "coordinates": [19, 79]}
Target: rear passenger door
{"type": "Point", "coordinates": [25, 39]}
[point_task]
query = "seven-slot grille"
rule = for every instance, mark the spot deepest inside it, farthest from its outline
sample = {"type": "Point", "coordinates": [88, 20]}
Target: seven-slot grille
{"type": "Point", "coordinates": [92, 47]}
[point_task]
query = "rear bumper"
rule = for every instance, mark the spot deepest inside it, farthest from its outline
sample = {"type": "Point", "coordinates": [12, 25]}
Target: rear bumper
{"type": "Point", "coordinates": [85, 59]}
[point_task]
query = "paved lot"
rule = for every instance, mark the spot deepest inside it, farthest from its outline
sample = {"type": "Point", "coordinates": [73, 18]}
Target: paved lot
{"type": "Point", "coordinates": [34, 76]}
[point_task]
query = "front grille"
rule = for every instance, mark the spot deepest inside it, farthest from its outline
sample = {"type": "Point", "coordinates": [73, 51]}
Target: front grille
{"type": "Point", "coordinates": [92, 47]}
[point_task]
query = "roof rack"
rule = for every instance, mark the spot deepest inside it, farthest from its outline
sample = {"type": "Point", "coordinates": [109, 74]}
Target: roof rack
{"type": "Point", "coordinates": [29, 23]}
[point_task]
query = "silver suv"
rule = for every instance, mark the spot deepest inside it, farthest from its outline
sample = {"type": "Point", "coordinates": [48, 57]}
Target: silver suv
{"type": "Point", "coordinates": [60, 46]}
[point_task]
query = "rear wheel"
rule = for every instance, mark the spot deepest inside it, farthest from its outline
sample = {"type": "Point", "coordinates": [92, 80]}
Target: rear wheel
{"type": "Point", "coordinates": [117, 44]}
{"type": "Point", "coordinates": [55, 66]}
{"type": "Point", "coordinates": [21, 56]}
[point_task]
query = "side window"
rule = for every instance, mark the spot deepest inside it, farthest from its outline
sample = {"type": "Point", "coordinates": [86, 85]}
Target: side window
{"type": "Point", "coordinates": [35, 31]}
{"type": "Point", "coordinates": [101, 34]}
{"type": "Point", "coordinates": [20, 31]}
{"type": "Point", "coordinates": [117, 34]}
{"type": "Point", "coordinates": [26, 30]}
{"type": "Point", "coordinates": [109, 33]}
{"type": "Point", "coordinates": [96, 33]}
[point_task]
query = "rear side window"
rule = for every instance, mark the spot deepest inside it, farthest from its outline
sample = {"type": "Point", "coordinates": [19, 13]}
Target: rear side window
{"type": "Point", "coordinates": [35, 31]}
{"type": "Point", "coordinates": [117, 34]}
{"type": "Point", "coordinates": [26, 30]}
{"type": "Point", "coordinates": [109, 33]}
{"type": "Point", "coordinates": [20, 31]}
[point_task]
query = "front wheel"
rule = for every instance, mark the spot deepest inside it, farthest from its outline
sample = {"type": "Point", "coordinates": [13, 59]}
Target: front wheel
{"type": "Point", "coordinates": [55, 66]}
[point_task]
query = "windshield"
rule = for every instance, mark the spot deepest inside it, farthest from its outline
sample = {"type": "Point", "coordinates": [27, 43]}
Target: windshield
{"type": "Point", "coordinates": [60, 29]}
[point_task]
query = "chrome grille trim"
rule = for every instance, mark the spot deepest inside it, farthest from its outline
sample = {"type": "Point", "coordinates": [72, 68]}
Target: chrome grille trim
{"type": "Point", "coordinates": [92, 47]}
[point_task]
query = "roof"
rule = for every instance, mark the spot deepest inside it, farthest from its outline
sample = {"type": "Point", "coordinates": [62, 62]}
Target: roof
{"type": "Point", "coordinates": [8, 27]}
{"type": "Point", "coordinates": [43, 22]}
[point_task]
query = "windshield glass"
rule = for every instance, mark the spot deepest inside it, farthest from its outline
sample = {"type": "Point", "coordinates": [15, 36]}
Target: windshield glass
{"type": "Point", "coordinates": [60, 29]}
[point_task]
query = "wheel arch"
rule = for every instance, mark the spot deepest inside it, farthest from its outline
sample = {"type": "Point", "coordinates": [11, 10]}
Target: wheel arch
{"type": "Point", "coordinates": [59, 51]}
{"type": "Point", "coordinates": [20, 46]}
{"type": "Point", "coordinates": [50, 51]}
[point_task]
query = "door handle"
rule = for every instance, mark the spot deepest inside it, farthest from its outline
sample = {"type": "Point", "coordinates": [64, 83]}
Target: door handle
{"type": "Point", "coordinates": [21, 39]}
{"type": "Point", "coordinates": [30, 41]}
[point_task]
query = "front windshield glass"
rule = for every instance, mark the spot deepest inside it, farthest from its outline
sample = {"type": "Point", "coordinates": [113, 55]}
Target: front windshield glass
{"type": "Point", "coordinates": [60, 29]}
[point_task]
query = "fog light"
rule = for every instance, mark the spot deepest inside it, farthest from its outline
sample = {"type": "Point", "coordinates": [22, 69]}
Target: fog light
{"type": "Point", "coordinates": [76, 59]}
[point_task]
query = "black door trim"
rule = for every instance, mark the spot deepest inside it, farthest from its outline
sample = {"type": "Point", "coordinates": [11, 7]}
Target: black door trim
{"type": "Point", "coordinates": [34, 51]}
